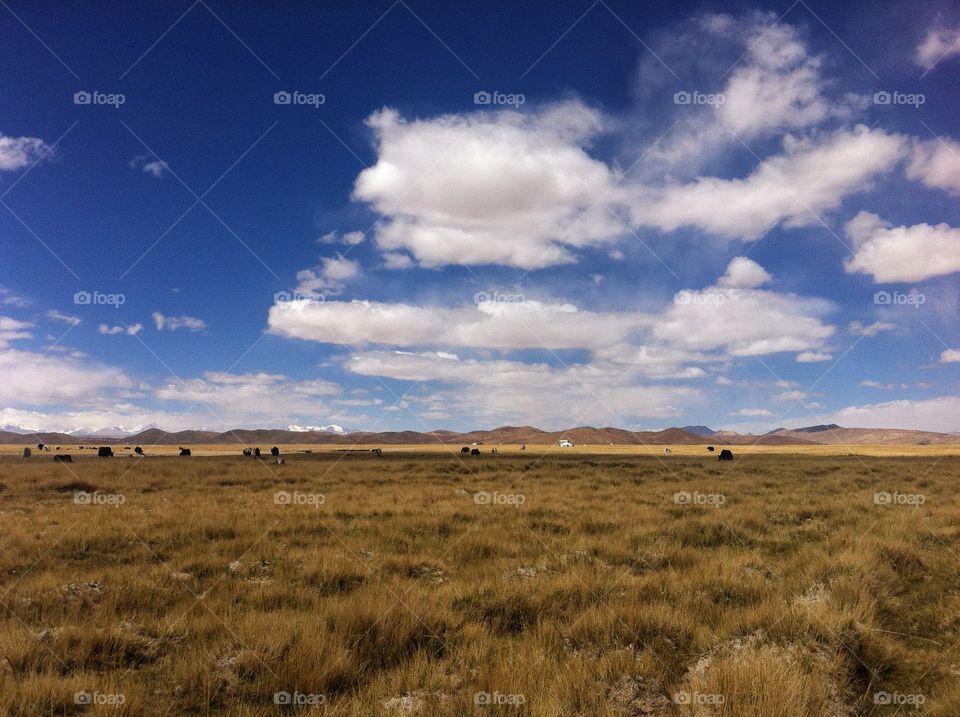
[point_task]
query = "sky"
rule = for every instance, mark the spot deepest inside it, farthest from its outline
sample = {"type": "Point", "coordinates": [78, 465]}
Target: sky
{"type": "Point", "coordinates": [413, 215]}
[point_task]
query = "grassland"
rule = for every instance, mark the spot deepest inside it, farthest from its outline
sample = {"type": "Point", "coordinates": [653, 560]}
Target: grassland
{"type": "Point", "coordinates": [546, 583]}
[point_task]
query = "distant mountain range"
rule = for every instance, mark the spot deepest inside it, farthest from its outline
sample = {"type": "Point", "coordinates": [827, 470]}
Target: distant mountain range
{"type": "Point", "coordinates": [588, 435]}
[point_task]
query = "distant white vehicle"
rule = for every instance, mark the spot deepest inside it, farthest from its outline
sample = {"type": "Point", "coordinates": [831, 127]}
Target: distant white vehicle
{"type": "Point", "coordinates": [566, 444]}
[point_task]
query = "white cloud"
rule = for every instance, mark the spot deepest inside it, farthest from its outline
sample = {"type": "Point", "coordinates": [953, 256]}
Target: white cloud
{"type": "Point", "coordinates": [739, 322]}
{"type": "Point", "coordinates": [859, 329]}
{"type": "Point", "coordinates": [898, 254]}
{"type": "Point", "coordinates": [936, 163]}
{"type": "Point", "coordinates": [18, 152]}
{"type": "Point", "coordinates": [490, 187]}
{"type": "Point", "coordinates": [251, 399]}
{"type": "Point", "coordinates": [796, 187]}
{"type": "Point", "coordinates": [491, 324]}
{"type": "Point", "coordinates": [131, 330]}
{"type": "Point", "coordinates": [172, 323]}
{"type": "Point", "coordinates": [790, 396]}
{"type": "Point", "coordinates": [934, 414]}
{"type": "Point", "coordinates": [877, 385]}
{"type": "Point", "coordinates": [752, 412]}
{"type": "Point", "coordinates": [349, 238]}
{"type": "Point", "coordinates": [329, 277]}
{"type": "Point", "coordinates": [10, 299]}
{"type": "Point", "coordinates": [744, 273]}
{"type": "Point", "coordinates": [55, 315]}
{"type": "Point", "coordinates": [744, 322]}
{"type": "Point", "coordinates": [150, 164]}
{"type": "Point", "coordinates": [776, 85]}
{"type": "Point", "coordinates": [813, 356]}
{"type": "Point", "coordinates": [12, 330]}
{"type": "Point", "coordinates": [939, 44]}
{"type": "Point", "coordinates": [31, 378]}
{"type": "Point", "coordinates": [950, 356]}
{"type": "Point", "coordinates": [396, 260]}
{"type": "Point", "coordinates": [498, 390]}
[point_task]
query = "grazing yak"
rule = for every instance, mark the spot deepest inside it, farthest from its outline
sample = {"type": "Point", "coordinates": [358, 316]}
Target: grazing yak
{"type": "Point", "coordinates": [274, 451]}
{"type": "Point", "coordinates": [138, 450]}
{"type": "Point", "coordinates": [667, 450]}
{"type": "Point", "coordinates": [475, 452]}
{"type": "Point", "coordinates": [63, 459]}
{"type": "Point", "coordinates": [184, 451]}
{"type": "Point", "coordinates": [27, 453]}
{"type": "Point", "coordinates": [465, 449]}
{"type": "Point", "coordinates": [39, 446]}
{"type": "Point", "coordinates": [104, 452]}
{"type": "Point", "coordinates": [256, 452]}
{"type": "Point", "coordinates": [248, 452]}
{"type": "Point", "coordinates": [711, 449]}
{"type": "Point", "coordinates": [725, 455]}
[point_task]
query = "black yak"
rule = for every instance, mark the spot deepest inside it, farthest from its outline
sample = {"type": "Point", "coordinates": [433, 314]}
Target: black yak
{"type": "Point", "coordinates": [725, 455]}
{"type": "Point", "coordinates": [104, 452]}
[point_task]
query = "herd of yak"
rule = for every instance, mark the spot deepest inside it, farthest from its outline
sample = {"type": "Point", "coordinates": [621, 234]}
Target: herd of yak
{"type": "Point", "coordinates": [107, 452]}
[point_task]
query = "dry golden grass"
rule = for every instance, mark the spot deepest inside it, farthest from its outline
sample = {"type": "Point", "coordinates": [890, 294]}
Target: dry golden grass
{"type": "Point", "coordinates": [423, 584]}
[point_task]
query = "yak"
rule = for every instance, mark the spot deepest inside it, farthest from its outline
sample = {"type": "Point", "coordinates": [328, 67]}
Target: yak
{"type": "Point", "coordinates": [725, 455]}
{"type": "Point", "coordinates": [104, 452]}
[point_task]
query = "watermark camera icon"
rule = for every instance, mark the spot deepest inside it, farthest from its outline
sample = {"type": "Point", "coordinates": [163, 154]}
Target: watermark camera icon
{"type": "Point", "coordinates": [682, 98]}
{"type": "Point", "coordinates": [282, 98]}
{"type": "Point", "coordinates": [482, 98]}
{"type": "Point", "coordinates": [82, 98]}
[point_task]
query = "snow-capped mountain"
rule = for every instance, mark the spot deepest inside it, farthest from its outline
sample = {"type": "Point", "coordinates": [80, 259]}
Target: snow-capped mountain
{"type": "Point", "coordinates": [332, 428]}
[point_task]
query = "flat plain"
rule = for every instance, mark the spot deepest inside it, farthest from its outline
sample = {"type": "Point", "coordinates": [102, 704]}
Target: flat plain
{"type": "Point", "coordinates": [548, 582]}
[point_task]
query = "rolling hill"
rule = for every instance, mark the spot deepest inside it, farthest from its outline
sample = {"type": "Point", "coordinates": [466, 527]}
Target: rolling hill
{"type": "Point", "coordinates": [581, 435]}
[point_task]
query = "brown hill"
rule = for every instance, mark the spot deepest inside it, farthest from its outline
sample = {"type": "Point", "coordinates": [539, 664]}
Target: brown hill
{"type": "Point", "coordinates": [581, 435]}
{"type": "Point", "coordinates": [870, 436]}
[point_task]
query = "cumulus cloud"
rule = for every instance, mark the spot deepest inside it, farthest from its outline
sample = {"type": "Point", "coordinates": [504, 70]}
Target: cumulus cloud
{"type": "Point", "coordinates": [811, 176]}
{"type": "Point", "coordinates": [490, 187]}
{"type": "Point", "coordinates": [735, 321]}
{"type": "Point", "coordinates": [172, 323]}
{"type": "Point", "coordinates": [488, 324]}
{"type": "Point", "coordinates": [250, 399]}
{"type": "Point", "coordinates": [744, 273]}
{"type": "Point", "coordinates": [877, 384]}
{"type": "Point", "coordinates": [857, 328]}
{"type": "Point", "coordinates": [896, 254]}
{"type": "Point", "coordinates": [939, 44]}
{"type": "Point", "coordinates": [744, 322]}
{"type": "Point", "coordinates": [55, 315]}
{"type": "Point", "coordinates": [151, 165]}
{"type": "Point", "coordinates": [776, 85]}
{"type": "Point", "coordinates": [752, 412]}
{"type": "Point", "coordinates": [933, 414]}
{"type": "Point", "coordinates": [329, 277]}
{"type": "Point", "coordinates": [950, 356]}
{"type": "Point", "coordinates": [31, 378]}
{"type": "Point", "coordinates": [11, 299]}
{"type": "Point", "coordinates": [349, 238]}
{"type": "Point", "coordinates": [813, 356]}
{"type": "Point", "coordinates": [936, 163]}
{"type": "Point", "coordinates": [12, 330]}
{"type": "Point", "coordinates": [18, 152]}
{"type": "Point", "coordinates": [131, 330]}
{"type": "Point", "coordinates": [495, 390]}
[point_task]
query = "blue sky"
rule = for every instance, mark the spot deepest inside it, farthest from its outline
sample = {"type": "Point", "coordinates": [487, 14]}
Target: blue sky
{"type": "Point", "coordinates": [742, 215]}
